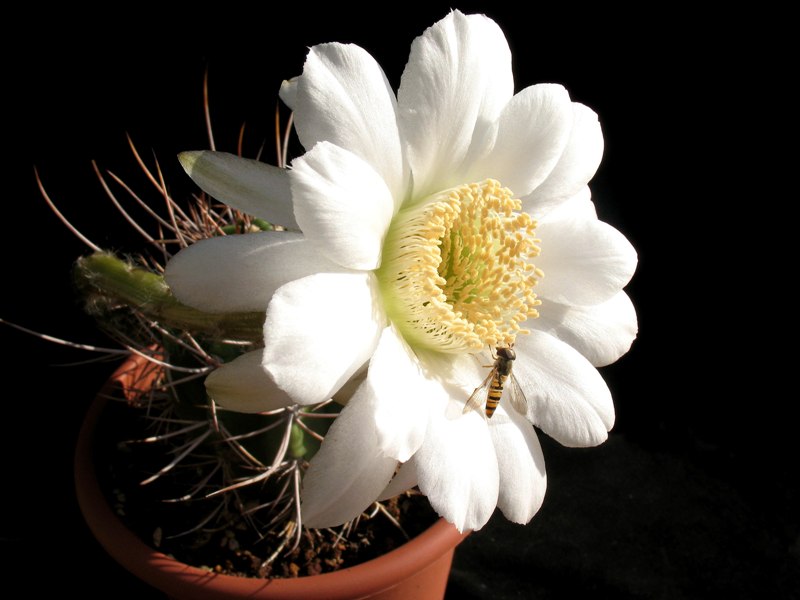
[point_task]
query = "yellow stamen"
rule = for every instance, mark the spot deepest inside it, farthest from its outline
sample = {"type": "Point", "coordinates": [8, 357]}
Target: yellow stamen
{"type": "Point", "coordinates": [456, 274]}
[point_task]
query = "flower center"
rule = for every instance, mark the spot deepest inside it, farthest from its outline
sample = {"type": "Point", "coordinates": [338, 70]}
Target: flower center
{"type": "Point", "coordinates": [456, 274]}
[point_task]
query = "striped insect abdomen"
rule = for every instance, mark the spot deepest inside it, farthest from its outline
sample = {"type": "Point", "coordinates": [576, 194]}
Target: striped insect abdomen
{"type": "Point", "coordinates": [495, 392]}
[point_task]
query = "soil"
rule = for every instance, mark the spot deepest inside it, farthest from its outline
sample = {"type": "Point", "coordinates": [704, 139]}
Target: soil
{"type": "Point", "coordinates": [215, 534]}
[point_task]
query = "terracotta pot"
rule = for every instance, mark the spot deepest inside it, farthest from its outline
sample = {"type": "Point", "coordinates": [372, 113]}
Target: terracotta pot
{"type": "Point", "coordinates": [417, 570]}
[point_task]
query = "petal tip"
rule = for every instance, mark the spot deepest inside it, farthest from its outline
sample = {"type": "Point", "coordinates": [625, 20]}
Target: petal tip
{"type": "Point", "coordinates": [188, 160]}
{"type": "Point", "coordinates": [288, 92]}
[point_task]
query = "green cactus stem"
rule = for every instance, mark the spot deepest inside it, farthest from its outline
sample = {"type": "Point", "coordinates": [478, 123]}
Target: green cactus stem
{"type": "Point", "coordinates": [107, 282]}
{"type": "Point", "coordinates": [297, 446]}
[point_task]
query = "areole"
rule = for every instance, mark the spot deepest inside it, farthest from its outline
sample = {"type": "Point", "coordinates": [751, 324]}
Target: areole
{"type": "Point", "coordinates": [418, 569]}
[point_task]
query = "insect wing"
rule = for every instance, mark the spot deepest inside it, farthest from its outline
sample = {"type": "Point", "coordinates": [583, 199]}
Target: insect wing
{"type": "Point", "coordinates": [478, 397]}
{"type": "Point", "coordinates": [516, 396]}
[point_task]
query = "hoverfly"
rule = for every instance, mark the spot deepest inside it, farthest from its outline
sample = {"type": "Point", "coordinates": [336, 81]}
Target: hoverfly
{"type": "Point", "coordinates": [491, 390]}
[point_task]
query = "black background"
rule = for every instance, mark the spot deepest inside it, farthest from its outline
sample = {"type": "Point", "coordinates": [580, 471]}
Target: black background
{"type": "Point", "coordinates": [695, 493]}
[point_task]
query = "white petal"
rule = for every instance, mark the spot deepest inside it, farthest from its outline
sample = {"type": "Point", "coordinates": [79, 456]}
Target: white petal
{"type": "Point", "coordinates": [602, 332]}
{"type": "Point", "coordinates": [405, 479]}
{"type": "Point", "coordinates": [253, 187]}
{"type": "Point", "coordinates": [343, 97]}
{"type": "Point", "coordinates": [342, 205]}
{"type": "Point", "coordinates": [343, 395]}
{"type": "Point", "coordinates": [521, 463]}
{"type": "Point", "coordinates": [242, 385]}
{"type": "Point", "coordinates": [577, 206]}
{"type": "Point", "coordinates": [348, 472]}
{"type": "Point", "coordinates": [532, 132]}
{"type": "Point", "coordinates": [403, 395]}
{"type": "Point", "coordinates": [585, 261]}
{"type": "Point", "coordinates": [457, 469]}
{"type": "Point", "coordinates": [567, 397]}
{"type": "Point", "coordinates": [456, 83]}
{"type": "Point", "coordinates": [288, 92]}
{"type": "Point", "coordinates": [319, 331]}
{"type": "Point", "coordinates": [241, 272]}
{"type": "Point", "coordinates": [576, 166]}
{"type": "Point", "coordinates": [459, 374]}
